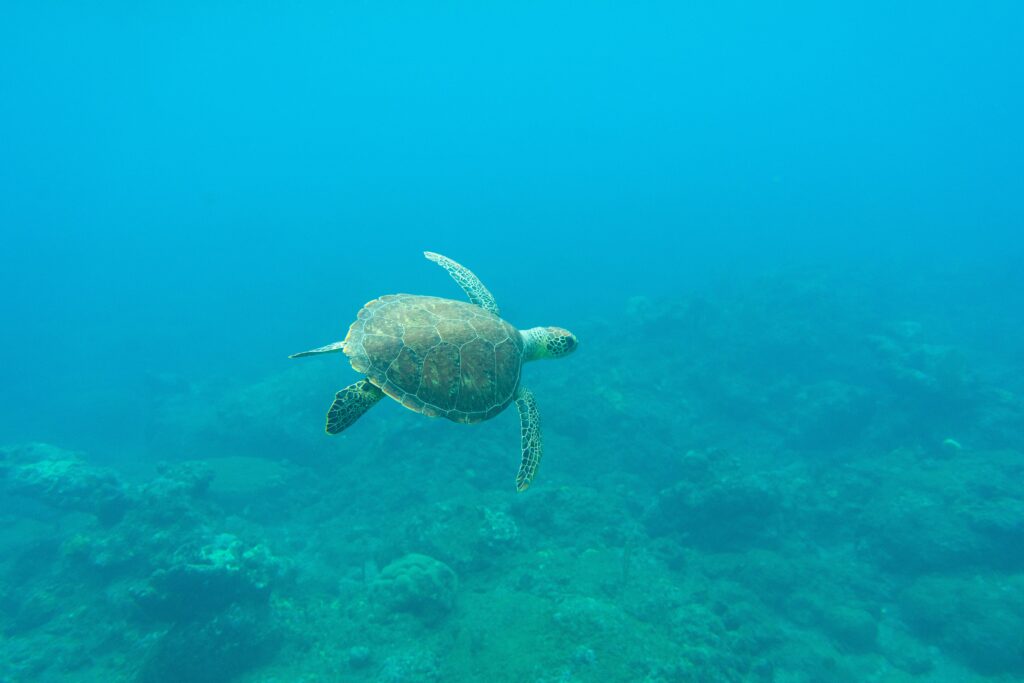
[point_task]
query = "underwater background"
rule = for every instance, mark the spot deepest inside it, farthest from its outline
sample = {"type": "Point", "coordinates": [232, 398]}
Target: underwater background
{"type": "Point", "coordinates": [790, 446]}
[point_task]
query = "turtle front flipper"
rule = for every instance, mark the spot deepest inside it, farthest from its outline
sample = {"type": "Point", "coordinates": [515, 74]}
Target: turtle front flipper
{"type": "Point", "coordinates": [350, 403]}
{"type": "Point", "coordinates": [533, 447]}
{"type": "Point", "coordinates": [469, 282]}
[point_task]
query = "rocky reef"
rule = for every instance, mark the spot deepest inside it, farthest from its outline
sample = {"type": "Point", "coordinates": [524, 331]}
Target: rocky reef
{"type": "Point", "coordinates": [139, 568]}
{"type": "Point", "coordinates": [793, 487]}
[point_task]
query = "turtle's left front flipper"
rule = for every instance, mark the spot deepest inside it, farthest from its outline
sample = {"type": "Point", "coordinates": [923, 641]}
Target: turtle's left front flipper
{"type": "Point", "coordinates": [533, 448]}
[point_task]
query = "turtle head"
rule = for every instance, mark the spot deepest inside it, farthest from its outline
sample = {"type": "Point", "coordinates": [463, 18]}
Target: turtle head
{"type": "Point", "coordinates": [548, 342]}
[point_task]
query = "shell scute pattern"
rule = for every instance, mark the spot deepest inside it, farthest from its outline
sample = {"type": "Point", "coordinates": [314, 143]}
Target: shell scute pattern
{"type": "Point", "coordinates": [404, 371]}
{"type": "Point", "coordinates": [416, 316]}
{"type": "Point", "coordinates": [508, 359]}
{"type": "Point", "coordinates": [385, 326]}
{"type": "Point", "coordinates": [383, 347]}
{"type": "Point", "coordinates": [421, 339]}
{"type": "Point", "coordinates": [477, 375]}
{"type": "Point", "coordinates": [435, 305]}
{"type": "Point", "coordinates": [489, 333]}
{"type": "Point", "coordinates": [441, 376]}
{"type": "Point", "coordinates": [452, 329]}
{"type": "Point", "coordinates": [437, 356]}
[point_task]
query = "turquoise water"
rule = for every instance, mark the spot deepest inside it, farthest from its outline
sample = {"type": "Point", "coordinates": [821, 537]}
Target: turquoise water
{"type": "Point", "coordinates": [790, 445]}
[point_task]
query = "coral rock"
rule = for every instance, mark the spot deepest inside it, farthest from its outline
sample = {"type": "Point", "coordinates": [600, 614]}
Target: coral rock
{"type": "Point", "coordinates": [417, 585]}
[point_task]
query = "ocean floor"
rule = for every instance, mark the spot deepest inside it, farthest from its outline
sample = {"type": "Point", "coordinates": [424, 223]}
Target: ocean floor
{"type": "Point", "coordinates": [783, 482]}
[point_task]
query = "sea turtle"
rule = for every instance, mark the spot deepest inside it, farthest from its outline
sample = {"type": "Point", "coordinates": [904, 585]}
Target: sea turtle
{"type": "Point", "coordinates": [445, 358]}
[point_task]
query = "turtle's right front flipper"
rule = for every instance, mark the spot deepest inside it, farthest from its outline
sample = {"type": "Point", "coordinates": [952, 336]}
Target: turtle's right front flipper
{"type": "Point", "coordinates": [350, 403]}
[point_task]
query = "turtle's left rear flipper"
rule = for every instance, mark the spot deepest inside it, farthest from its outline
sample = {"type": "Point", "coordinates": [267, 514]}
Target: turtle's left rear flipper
{"type": "Point", "coordinates": [350, 403]}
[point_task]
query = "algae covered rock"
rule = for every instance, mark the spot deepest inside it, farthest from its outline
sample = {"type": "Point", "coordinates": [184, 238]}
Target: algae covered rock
{"type": "Point", "coordinates": [931, 384]}
{"type": "Point", "coordinates": [906, 652]}
{"type": "Point", "coordinates": [214, 650]}
{"type": "Point", "coordinates": [851, 626]}
{"type": "Point", "coordinates": [944, 515]}
{"type": "Point", "coordinates": [587, 617]}
{"type": "Point", "coordinates": [417, 585]}
{"type": "Point", "coordinates": [107, 554]}
{"type": "Point", "coordinates": [417, 666]}
{"type": "Point", "coordinates": [62, 480]}
{"type": "Point", "coordinates": [829, 414]}
{"type": "Point", "coordinates": [203, 579]}
{"type": "Point", "coordinates": [359, 657]}
{"type": "Point", "coordinates": [724, 509]}
{"type": "Point", "coordinates": [180, 480]}
{"type": "Point", "coordinates": [466, 537]}
{"type": "Point", "coordinates": [579, 515]}
{"type": "Point", "coordinates": [715, 645]}
{"type": "Point", "coordinates": [980, 619]}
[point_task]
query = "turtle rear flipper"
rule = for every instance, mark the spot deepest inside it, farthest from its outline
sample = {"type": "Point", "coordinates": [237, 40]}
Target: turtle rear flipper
{"type": "Point", "coordinates": [533, 446]}
{"type": "Point", "coordinates": [350, 403]}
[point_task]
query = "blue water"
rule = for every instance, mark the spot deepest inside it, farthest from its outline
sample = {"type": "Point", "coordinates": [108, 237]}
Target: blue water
{"type": "Point", "coordinates": [789, 239]}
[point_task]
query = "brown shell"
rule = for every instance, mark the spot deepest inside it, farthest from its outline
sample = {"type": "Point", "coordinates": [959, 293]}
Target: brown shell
{"type": "Point", "coordinates": [437, 356]}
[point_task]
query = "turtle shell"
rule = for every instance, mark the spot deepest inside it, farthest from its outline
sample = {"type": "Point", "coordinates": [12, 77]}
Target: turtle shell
{"type": "Point", "coordinates": [437, 356]}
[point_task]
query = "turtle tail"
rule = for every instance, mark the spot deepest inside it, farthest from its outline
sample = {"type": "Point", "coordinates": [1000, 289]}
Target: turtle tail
{"type": "Point", "coordinates": [330, 348]}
